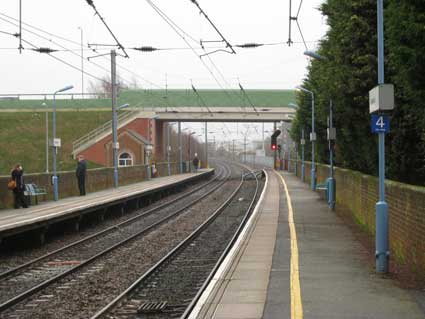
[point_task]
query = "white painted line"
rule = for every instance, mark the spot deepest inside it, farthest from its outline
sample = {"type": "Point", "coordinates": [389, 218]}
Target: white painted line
{"type": "Point", "coordinates": [230, 256]}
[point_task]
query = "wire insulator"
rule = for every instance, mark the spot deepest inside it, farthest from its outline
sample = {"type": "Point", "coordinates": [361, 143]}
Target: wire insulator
{"type": "Point", "coordinates": [249, 45]}
{"type": "Point", "coordinates": [146, 49]}
{"type": "Point", "coordinates": [44, 50]}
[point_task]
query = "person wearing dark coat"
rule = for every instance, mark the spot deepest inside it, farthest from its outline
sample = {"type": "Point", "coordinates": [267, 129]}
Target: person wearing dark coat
{"type": "Point", "coordinates": [195, 163]}
{"type": "Point", "coordinates": [18, 191]}
{"type": "Point", "coordinates": [81, 175]}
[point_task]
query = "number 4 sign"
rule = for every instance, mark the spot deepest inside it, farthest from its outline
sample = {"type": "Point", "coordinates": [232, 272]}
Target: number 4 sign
{"type": "Point", "coordinates": [380, 124]}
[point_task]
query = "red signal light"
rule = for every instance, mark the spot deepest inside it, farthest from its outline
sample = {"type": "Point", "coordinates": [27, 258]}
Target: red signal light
{"type": "Point", "coordinates": [273, 147]}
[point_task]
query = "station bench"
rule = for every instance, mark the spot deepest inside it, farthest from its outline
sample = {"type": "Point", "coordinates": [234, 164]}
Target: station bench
{"type": "Point", "coordinates": [32, 190]}
{"type": "Point", "coordinates": [323, 189]}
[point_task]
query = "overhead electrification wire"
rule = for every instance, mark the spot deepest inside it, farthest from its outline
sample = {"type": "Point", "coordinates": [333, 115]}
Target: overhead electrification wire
{"type": "Point", "coordinates": [175, 27]}
{"type": "Point", "coordinates": [41, 30]}
{"type": "Point", "coordinates": [91, 3]}
{"type": "Point", "coordinates": [295, 18]}
{"type": "Point", "coordinates": [247, 97]}
{"type": "Point", "coordinates": [35, 48]}
{"type": "Point", "coordinates": [171, 23]}
{"type": "Point", "coordinates": [228, 45]}
{"type": "Point", "coordinates": [74, 52]}
{"type": "Point", "coordinates": [201, 100]}
{"type": "Point", "coordinates": [46, 50]}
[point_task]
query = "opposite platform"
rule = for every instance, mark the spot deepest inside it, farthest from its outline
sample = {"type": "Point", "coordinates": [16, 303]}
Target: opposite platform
{"type": "Point", "coordinates": [297, 259]}
{"type": "Point", "coordinates": [14, 221]}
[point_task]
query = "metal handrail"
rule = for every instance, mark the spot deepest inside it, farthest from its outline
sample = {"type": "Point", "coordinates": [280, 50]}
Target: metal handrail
{"type": "Point", "coordinates": [100, 130]}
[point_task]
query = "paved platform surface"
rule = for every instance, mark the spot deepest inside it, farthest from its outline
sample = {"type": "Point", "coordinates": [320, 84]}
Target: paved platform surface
{"type": "Point", "coordinates": [11, 219]}
{"type": "Point", "coordinates": [301, 262]}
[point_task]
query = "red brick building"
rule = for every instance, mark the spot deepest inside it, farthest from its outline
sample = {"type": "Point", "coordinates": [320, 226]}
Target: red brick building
{"type": "Point", "coordinates": [133, 136]}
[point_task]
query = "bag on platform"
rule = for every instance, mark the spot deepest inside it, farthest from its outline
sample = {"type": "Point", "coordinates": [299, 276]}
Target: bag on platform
{"type": "Point", "coordinates": [11, 184]}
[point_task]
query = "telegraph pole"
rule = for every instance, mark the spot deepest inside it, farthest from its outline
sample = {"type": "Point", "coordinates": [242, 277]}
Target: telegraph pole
{"type": "Point", "coordinates": [115, 145]}
{"type": "Point", "coordinates": [206, 144]}
{"type": "Point", "coordinates": [168, 150]}
{"type": "Point", "coordinates": [180, 147]}
{"type": "Point", "coordinates": [274, 153]}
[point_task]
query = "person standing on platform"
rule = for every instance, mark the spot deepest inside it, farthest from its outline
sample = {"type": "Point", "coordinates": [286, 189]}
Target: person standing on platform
{"type": "Point", "coordinates": [18, 191]}
{"type": "Point", "coordinates": [81, 174]}
{"type": "Point", "coordinates": [195, 163]}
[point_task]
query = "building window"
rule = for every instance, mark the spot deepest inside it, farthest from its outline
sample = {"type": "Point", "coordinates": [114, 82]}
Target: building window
{"type": "Point", "coordinates": [125, 159]}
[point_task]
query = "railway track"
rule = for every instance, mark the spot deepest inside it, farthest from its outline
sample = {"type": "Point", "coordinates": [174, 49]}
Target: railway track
{"type": "Point", "coordinates": [171, 288]}
{"type": "Point", "coordinates": [22, 282]}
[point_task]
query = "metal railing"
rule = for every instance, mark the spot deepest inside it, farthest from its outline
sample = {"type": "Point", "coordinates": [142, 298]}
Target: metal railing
{"type": "Point", "coordinates": [101, 130]}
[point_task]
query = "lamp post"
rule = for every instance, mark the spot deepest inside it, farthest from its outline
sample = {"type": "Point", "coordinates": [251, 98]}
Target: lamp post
{"type": "Point", "coordinates": [331, 139]}
{"type": "Point", "coordinates": [381, 241]}
{"type": "Point", "coordinates": [149, 148]}
{"type": "Point", "coordinates": [289, 150]}
{"type": "Point", "coordinates": [47, 137]}
{"type": "Point", "coordinates": [56, 142]}
{"type": "Point", "coordinates": [312, 139]}
{"type": "Point", "coordinates": [331, 185]}
{"type": "Point", "coordinates": [115, 144]}
{"type": "Point", "coordinates": [295, 106]}
{"type": "Point", "coordinates": [302, 156]}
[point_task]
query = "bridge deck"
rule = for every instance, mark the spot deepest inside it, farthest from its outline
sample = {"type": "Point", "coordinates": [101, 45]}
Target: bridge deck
{"type": "Point", "coordinates": [14, 221]}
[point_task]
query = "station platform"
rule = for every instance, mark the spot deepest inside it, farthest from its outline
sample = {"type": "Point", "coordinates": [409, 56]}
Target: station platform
{"type": "Point", "coordinates": [40, 217]}
{"type": "Point", "coordinates": [297, 259]}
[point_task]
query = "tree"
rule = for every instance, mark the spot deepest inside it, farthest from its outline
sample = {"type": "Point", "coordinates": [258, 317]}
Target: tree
{"type": "Point", "coordinates": [405, 35]}
{"type": "Point", "coordinates": [348, 74]}
{"type": "Point", "coordinates": [104, 86]}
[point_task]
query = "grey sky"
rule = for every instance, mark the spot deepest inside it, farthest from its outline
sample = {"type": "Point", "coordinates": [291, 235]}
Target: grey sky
{"type": "Point", "coordinates": [135, 23]}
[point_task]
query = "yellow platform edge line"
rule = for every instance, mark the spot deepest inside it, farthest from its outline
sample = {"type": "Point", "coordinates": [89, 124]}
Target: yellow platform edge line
{"type": "Point", "coordinates": [296, 300]}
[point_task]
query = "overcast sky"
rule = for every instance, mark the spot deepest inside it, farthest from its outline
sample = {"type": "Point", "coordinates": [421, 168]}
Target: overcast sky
{"type": "Point", "coordinates": [135, 23]}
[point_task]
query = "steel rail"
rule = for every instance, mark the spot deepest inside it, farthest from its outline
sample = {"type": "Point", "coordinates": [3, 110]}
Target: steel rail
{"type": "Point", "coordinates": [173, 252]}
{"type": "Point", "coordinates": [13, 301]}
{"type": "Point", "coordinates": [229, 246]}
{"type": "Point", "coordinates": [12, 271]}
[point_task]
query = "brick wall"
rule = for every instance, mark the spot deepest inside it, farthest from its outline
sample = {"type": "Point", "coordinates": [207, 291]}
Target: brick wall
{"type": "Point", "coordinates": [357, 194]}
{"type": "Point", "coordinates": [97, 179]}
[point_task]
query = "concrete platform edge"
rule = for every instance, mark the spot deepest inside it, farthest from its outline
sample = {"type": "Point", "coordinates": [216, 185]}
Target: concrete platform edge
{"type": "Point", "coordinates": [211, 292]}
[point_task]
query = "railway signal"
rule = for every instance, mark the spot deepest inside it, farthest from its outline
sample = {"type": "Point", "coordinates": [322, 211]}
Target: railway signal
{"type": "Point", "coordinates": [274, 140]}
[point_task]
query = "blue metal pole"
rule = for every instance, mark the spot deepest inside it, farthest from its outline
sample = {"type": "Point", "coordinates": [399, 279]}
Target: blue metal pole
{"type": "Point", "coordinates": [289, 158]}
{"type": "Point", "coordinates": [313, 164]}
{"type": "Point", "coordinates": [382, 249]}
{"type": "Point", "coordinates": [55, 150]}
{"type": "Point", "coordinates": [331, 180]}
{"type": "Point", "coordinates": [302, 156]}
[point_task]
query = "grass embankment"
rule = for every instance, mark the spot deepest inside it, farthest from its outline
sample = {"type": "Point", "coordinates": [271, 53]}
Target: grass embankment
{"type": "Point", "coordinates": [149, 98]}
{"type": "Point", "coordinates": [23, 138]}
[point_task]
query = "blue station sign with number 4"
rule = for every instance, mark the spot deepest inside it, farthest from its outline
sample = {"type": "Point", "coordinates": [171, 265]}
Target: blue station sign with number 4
{"type": "Point", "coordinates": [380, 123]}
